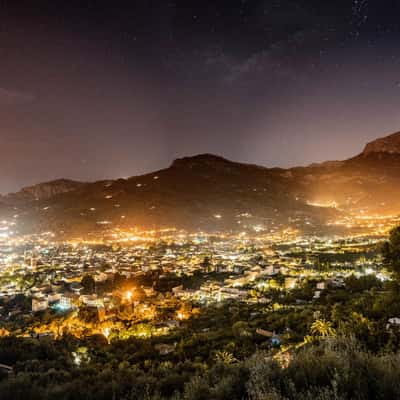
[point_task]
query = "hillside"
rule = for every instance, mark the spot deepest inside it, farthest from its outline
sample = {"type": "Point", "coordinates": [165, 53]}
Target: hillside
{"type": "Point", "coordinates": [207, 192]}
{"type": "Point", "coordinates": [369, 181]}
{"type": "Point", "coordinates": [202, 192]}
{"type": "Point", "coordinates": [42, 191]}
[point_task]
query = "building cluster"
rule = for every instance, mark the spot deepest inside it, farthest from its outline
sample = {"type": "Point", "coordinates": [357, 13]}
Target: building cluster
{"type": "Point", "coordinates": [165, 279]}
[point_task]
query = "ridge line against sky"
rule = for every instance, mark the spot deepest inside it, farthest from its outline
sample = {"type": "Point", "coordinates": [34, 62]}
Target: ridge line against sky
{"type": "Point", "coordinates": [190, 156]}
{"type": "Point", "coordinates": [93, 91]}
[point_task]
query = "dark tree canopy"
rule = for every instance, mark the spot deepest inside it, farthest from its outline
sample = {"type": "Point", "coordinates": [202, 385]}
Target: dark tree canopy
{"type": "Point", "coordinates": [391, 251]}
{"type": "Point", "coordinates": [88, 283]}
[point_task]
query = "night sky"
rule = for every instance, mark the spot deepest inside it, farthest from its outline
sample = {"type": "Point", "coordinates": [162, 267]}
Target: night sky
{"type": "Point", "coordinates": [92, 90]}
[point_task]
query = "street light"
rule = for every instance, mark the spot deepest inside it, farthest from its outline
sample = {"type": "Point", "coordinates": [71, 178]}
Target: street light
{"type": "Point", "coordinates": [128, 295]}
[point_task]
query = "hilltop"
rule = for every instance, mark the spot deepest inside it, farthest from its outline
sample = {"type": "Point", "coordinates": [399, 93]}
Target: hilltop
{"type": "Point", "coordinates": [209, 192]}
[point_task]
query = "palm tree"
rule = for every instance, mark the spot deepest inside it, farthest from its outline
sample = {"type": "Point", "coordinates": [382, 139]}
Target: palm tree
{"type": "Point", "coordinates": [322, 328]}
{"type": "Point", "coordinates": [225, 357]}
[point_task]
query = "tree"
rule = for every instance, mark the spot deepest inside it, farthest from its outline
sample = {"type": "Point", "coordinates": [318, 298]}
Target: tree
{"type": "Point", "coordinates": [88, 315]}
{"type": "Point", "coordinates": [138, 294]}
{"type": "Point", "coordinates": [391, 251]}
{"type": "Point", "coordinates": [225, 357]}
{"type": "Point", "coordinates": [206, 264]}
{"type": "Point", "coordinates": [241, 329]}
{"type": "Point", "coordinates": [322, 328]}
{"type": "Point", "coordinates": [88, 283]}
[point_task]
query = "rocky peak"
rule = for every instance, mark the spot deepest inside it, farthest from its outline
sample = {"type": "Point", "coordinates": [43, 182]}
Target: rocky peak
{"type": "Point", "coordinates": [388, 144]}
{"type": "Point", "coordinates": [45, 190]}
{"type": "Point", "coordinates": [212, 162]}
{"type": "Point", "coordinates": [201, 160]}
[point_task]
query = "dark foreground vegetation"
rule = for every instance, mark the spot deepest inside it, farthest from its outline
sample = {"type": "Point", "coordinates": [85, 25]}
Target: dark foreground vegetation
{"type": "Point", "coordinates": [330, 369]}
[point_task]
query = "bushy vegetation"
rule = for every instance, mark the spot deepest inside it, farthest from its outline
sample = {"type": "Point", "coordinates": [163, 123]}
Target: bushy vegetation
{"type": "Point", "coordinates": [331, 369]}
{"type": "Point", "coordinates": [334, 368]}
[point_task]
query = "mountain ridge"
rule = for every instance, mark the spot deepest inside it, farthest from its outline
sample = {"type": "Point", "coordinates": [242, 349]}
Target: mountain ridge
{"type": "Point", "coordinates": [387, 144]}
{"type": "Point", "coordinates": [210, 192]}
{"type": "Point", "coordinates": [43, 190]}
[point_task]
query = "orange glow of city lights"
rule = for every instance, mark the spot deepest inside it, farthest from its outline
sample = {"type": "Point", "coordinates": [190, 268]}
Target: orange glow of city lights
{"type": "Point", "coordinates": [129, 295]}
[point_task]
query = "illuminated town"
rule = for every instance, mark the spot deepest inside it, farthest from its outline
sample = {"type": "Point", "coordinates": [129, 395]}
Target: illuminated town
{"type": "Point", "coordinates": [143, 284]}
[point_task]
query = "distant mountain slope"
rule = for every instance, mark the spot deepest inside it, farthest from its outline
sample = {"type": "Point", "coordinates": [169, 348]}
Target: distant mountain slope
{"type": "Point", "coordinates": [369, 181]}
{"type": "Point", "coordinates": [389, 144]}
{"type": "Point", "coordinates": [211, 193]}
{"type": "Point", "coordinates": [43, 191]}
{"type": "Point", "coordinates": [201, 192]}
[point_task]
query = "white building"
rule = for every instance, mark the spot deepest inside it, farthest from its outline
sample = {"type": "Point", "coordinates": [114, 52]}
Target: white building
{"type": "Point", "coordinates": [39, 304]}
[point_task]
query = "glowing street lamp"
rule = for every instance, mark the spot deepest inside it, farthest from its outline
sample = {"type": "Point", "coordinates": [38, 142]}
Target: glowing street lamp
{"type": "Point", "coordinates": [128, 295]}
{"type": "Point", "coordinates": [106, 333]}
{"type": "Point", "coordinates": [180, 315]}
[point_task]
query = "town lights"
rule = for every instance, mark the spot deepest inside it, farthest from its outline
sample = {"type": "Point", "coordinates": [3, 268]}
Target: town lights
{"type": "Point", "coordinates": [106, 333]}
{"type": "Point", "coordinates": [180, 315]}
{"type": "Point", "coordinates": [128, 295]}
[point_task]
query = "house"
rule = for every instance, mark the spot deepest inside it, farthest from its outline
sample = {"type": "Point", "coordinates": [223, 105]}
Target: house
{"type": "Point", "coordinates": [53, 297]}
{"type": "Point", "coordinates": [165, 349]}
{"type": "Point", "coordinates": [44, 335]}
{"type": "Point", "coordinates": [39, 304]}
{"type": "Point", "coordinates": [66, 302]}
{"type": "Point", "coordinates": [90, 300]}
{"type": "Point", "coordinates": [336, 282]}
{"type": "Point", "coordinates": [177, 289]}
{"type": "Point", "coordinates": [6, 369]}
{"type": "Point", "coordinates": [272, 269]}
{"type": "Point", "coordinates": [290, 282]}
{"type": "Point", "coordinates": [238, 269]}
{"type": "Point", "coordinates": [221, 268]}
{"type": "Point", "coordinates": [317, 294]}
{"type": "Point", "coordinates": [393, 323]}
{"type": "Point", "coordinates": [76, 287]}
{"type": "Point", "coordinates": [100, 277]}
